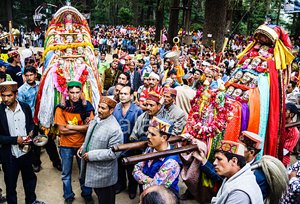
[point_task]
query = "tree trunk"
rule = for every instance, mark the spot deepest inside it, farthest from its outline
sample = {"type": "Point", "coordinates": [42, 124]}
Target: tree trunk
{"type": "Point", "coordinates": [215, 22]}
{"type": "Point", "coordinates": [159, 20]}
{"type": "Point", "coordinates": [229, 15]}
{"type": "Point", "coordinates": [135, 8]}
{"type": "Point", "coordinates": [148, 12]}
{"type": "Point", "coordinates": [249, 22]}
{"type": "Point", "coordinates": [173, 24]}
{"type": "Point", "coordinates": [297, 24]}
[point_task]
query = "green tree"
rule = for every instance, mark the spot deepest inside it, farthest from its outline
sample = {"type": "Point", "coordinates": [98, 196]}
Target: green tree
{"type": "Point", "coordinates": [125, 15]}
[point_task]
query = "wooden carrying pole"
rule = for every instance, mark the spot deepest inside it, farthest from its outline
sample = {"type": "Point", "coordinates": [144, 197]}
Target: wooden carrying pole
{"type": "Point", "coordinates": [142, 144]}
{"type": "Point", "coordinates": [153, 155]}
{"type": "Point", "coordinates": [295, 124]}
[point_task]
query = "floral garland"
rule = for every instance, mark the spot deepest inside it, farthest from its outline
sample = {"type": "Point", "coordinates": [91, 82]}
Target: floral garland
{"type": "Point", "coordinates": [60, 81]}
{"type": "Point", "coordinates": [65, 46]}
{"type": "Point", "coordinates": [83, 77]}
{"type": "Point", "coordinates": [209, 114]}
{"type": "Point", "coordinates": [82, 74]}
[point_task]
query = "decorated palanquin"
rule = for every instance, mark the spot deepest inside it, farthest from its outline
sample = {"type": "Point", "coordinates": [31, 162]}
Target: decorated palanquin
{"type": "Point", "coordinates": [253, 99]}
{"type": "Point", "coordinates": [68, 56]}
{"type": "Point", "coordinates": [257, 88]}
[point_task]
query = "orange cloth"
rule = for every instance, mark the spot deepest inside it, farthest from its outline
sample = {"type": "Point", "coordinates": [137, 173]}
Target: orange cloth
{"type": "Point", "coordinates": [62, 117]}
{"type": "Point", "coordinates": [233, 128]}
{"type": "Point", "coordinates": [254, 110]}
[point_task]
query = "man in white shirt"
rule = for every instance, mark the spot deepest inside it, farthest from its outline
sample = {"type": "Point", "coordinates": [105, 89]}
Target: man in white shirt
{"type": "Point", "coordinates": [15, 124]}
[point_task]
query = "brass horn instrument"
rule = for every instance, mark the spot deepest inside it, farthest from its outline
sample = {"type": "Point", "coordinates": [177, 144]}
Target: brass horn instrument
{"type": "Point", "coordinates": [15, 32]}
{"type": "Point", "coordinates": [176, 40]}
{"type": "Point", "coordinates": [4, 35]}
{"type": "Point", "coordinates": [173, 55]}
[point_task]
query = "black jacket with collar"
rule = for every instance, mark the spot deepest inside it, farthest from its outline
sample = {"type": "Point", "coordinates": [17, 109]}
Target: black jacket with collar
{"type": "Point", "coordinates": [5, 138]}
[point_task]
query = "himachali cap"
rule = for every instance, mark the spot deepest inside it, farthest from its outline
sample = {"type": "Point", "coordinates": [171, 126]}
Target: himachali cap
{"type": "Point", "coordinates": [154, 75]}
{"type": "Point", "coordinates": [146, 74]}
{"type": "Point", "coordinates": [251, 139]}
{"type": "Point", "coordinates": [153, 96]}
{"type": "Point", "coordinates": [110, 102]}
{"type": "Point", "coordinates": [162, 125]}
{"type": "Point", "coordinates": [231, 147]}
{"type": "Point", "coordinates": [170, 90]}
{"type": "Point", "coordinates": [13, 53]}
{"type": "Point", "coordinates": [74, 83]}
{"type": "Point", "coordinates": [8, 86]}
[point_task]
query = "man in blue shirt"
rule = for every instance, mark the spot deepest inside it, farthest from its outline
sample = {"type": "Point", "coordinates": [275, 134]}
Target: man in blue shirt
{"type": "Point", "coordinates": [27, 94]}
{"type": "Point", "coordinates": [126, 113]}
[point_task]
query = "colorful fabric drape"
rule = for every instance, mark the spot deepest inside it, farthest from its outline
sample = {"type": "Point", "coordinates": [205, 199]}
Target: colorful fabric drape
{"type": "Point", "coordinates": [234, 126]}
{"type": "Point", "coordinates": [245, 116]}
{"type": "Point", "coordinates": [242, 54]}
{"type": "Point", "coordinates": [282, 55]}
{"type": "Point", "coordinates": [281, 130]}
{"type": "Point", "coordinates": [274, 112]}
{"type": "Point", "coordinates": [264, 87]}
{"type": "Point", "coordinates": [254, 109]}
{"type": "Point", "coordinates": [38, 97]}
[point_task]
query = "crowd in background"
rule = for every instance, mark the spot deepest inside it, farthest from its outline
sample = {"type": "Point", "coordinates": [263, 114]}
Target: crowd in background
{"type": "Point", "coordinates": [146, 68]}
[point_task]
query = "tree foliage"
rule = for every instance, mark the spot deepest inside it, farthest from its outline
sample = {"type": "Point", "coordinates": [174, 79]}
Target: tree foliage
{"type": "Point", "coordinates": [125, 15]}
{"type": "Point", "coordinates": [242, 16]}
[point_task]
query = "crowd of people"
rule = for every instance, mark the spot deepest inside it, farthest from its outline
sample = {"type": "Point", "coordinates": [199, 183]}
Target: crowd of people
{"type": "Point", "coordinates": [147, 88]}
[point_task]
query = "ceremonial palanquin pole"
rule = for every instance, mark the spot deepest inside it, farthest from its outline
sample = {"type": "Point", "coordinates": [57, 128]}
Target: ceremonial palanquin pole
{"type": "Point", "coordinates": [68, 55]}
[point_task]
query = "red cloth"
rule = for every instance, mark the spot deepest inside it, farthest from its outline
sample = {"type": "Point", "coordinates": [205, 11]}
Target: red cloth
{"type": "Point", "coordinates": [291, 140]}
{"type": "Point", "coordinates": [281, 132]}
{"type": "Point", "coordinates": [283, 36]}
{"type": "Point", "coordinates": [234, 126]}
{"type": "Point", "coordinates": [274, 113]}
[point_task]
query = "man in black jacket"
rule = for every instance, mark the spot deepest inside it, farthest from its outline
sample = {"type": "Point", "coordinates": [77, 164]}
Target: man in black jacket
{"type": "Point", "coordinates": [15, 124]}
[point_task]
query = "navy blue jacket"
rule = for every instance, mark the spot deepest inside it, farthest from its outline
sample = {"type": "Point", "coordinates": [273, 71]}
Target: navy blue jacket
{"type": "Point", "coordinates": [5, 138]}
{"type": "Point", "coordinates": [137, 82]}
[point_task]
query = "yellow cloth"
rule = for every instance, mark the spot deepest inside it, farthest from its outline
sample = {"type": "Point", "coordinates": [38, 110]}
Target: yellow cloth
{"type": "Point", "coordinates": [179, 74]}
{"type": "Point", "coordinates": [242, 54]}
{"type": "Point", "coordinates": [282, 55]}
{"type": "Point", "coordinates": [154, 50]}
{"type": "Point", "coordinates": [165, 76]}
{"type": "Point", "coordinates": [4, 57]}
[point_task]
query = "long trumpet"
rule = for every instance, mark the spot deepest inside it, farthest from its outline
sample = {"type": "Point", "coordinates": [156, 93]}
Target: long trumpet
{"type": "Point", "coordinates": [153, 155]}
{"type": "Point", "coordinates": [142, 144]}
{"type": "Point", "coordinates": [149, 156]}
